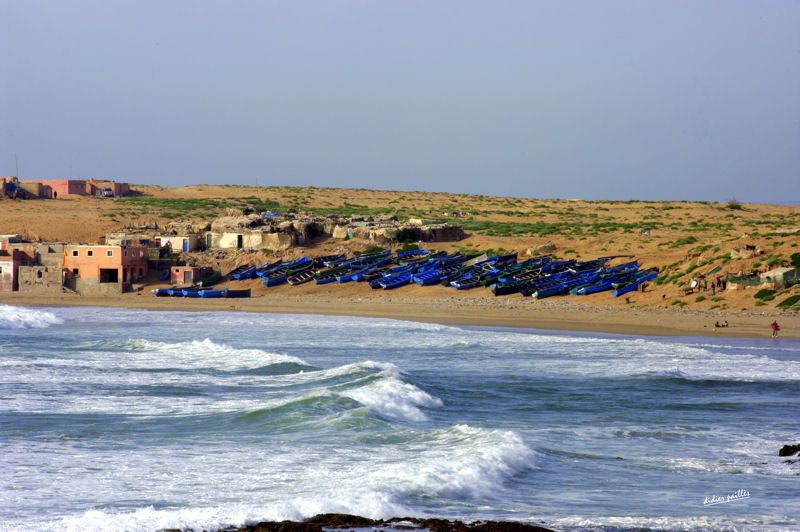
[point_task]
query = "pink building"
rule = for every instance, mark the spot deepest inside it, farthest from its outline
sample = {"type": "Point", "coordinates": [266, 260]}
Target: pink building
{"type": "Point", "coordinates": [61, 186]}
{"type": "Point", "coordinates": [188, 274]}
{"type": "Point", "coordinates": [92, 268]}
{"type": "Point", "coordinates": [81, 187]}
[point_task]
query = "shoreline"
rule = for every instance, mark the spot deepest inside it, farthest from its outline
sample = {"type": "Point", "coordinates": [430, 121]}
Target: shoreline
{"type": "Point", "coordinates": [552, 315]}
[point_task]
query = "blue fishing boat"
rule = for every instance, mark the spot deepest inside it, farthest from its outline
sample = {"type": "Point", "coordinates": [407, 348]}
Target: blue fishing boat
{"type": "Point", "coordinates": [412, 253]}
{"type": "Point", "coordinates": [271, 268]}
{"type": "Point", "coordinates": [276, 278]}
{"type": "Point", "coordinates": [346, 277]}
{"type": "Point", "coordinates": [447, 278]}
{"type": "Point", "coordinates": [634, 283]}
{"type": "Point", "coordinates": [320, 261]}
{"type": "Point", "coordinates": [395, 281]}
{"type": "Point", "coordinates": [467, 281]}
{"type": "Point", "coordinates": [435, 275]}
{"type": "Point", "coordinates": [247, 273]}
{"type": "Point", "coordinates": [502, 289]}
{"type": "Point", "coordinates": [328, 276]}
{"type": "Point", "coordinates": [214, 293]}
{"type": "Point", "coordinates": [300, 278]}
{"type": "Point", "coordinates": [300, 264]}
{"type": "Point", "coordinates": [239, 270]}
{"type": "Point", "coordinates": [161, 292]}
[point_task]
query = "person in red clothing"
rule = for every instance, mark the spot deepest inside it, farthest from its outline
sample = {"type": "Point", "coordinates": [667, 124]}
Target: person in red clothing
{"type": "Point", "coordinates": [775, 329]}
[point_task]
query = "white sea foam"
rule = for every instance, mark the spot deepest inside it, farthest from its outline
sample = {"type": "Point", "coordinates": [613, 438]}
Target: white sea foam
{"type": "Point", "coordinates": [614, 358]}
{"type": "Point", "coordinates": [198, 353]}
{"type": "Point", "coordinates": [393, 398]}
{"type": "Point", "coordinates": [26, 318]}
{"type": "Point", "coordinates": [726, 523]}
{"type": "Point", "coordinates": [461, 462]}
{"type": "Point", "coordinates": [466, 462]}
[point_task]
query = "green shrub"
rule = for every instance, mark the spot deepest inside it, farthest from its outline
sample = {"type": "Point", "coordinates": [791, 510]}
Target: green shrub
{"type": "Point", "coordinates": [370, 250]}
{"type": "Point", "coordinates": [413, 247]}
{"type": "Point", "coordinates": [683, 241]}
{"type": "Point", "coordinates": [772, 260]}
{"type": "Point", "coordinates": [795, 260]}
{"type": "Point", "coordinates": [789, 301]}
{"type": "Point", "coordinates": [765, 294]}
{"type": "Point", "coordinates": [698, 299]}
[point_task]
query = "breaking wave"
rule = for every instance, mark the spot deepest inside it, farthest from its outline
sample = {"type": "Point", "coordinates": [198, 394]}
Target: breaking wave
{"type": "Point", "coordinates": [26, 318]}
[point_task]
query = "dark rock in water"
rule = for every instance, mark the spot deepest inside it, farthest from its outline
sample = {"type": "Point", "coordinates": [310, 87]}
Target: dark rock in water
{"type": "Point", "coordinates": [282, 526]}
{"type": "Point", "coordinates": [344, 521]}
{"type": "Point", "coordinates": [789, 450]}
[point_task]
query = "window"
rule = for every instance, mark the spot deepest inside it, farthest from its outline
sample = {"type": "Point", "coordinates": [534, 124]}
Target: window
{"type": "Point", "coordinates": [74, 252]}
{"type": "Point", "coordinates": [125, 252]}
{"type": "Point", "coordinates": [90, 253]}
{"type": "Point", "coordinates": [38, 274]}
{"type": "Point", "coordinates": [110, 253]}
{"type": "Point", "coordinates": [75, 272]}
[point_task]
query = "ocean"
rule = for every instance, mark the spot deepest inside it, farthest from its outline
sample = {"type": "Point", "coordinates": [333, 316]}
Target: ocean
{"type": "Point", "coordinates": [120, 419]}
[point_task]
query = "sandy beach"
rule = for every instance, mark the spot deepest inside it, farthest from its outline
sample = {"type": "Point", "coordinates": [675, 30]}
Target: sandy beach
{"type": "Point", "coordinates": [457, 308]}
{"type": "Point", "coordinates": [698, 243]}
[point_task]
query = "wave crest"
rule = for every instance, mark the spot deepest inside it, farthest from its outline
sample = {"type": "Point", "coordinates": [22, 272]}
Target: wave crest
{"type": "Point", "coordinates": [26, 318]}
{"type": "Point", "coordinates": [393, 398]}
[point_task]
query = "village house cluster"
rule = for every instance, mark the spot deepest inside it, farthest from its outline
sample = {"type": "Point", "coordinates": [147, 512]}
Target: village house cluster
{"type": "Point", "coordinates": [83, 268]}
{"type": "Point", "coordinates": [11, 187]}
{"type": "Point", "coordinates": [125, 257]}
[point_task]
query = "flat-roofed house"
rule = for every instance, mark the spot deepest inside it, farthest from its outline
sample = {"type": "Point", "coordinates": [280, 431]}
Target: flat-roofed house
{"type": "Point", "coordinates": [178, 243]}
{"type": "Point", "coordinates": [10, 262]}
{"type": "Point", "coordinates": [104, 269]}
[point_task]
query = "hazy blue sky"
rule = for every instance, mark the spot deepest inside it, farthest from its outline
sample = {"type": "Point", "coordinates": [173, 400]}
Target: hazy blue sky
{"type": "Point", "coordinates": [696, 100]}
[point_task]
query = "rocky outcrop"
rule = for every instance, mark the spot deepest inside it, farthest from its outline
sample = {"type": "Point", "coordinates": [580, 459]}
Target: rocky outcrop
{"type": "Point", "coordinates": [745, 252]}
{"type": "Point", "coordinates": [226, 223]}
{"type": "Point", "coordinates": [340, 232]}
{"type": "Point", "coordinates": [789, 450]}
{"type": "Point", "coordinates": [540, 250]}
{"type": "Point", "coordinates": [276, 241]}
{"type": "Point", "coordinates": [321, 522]}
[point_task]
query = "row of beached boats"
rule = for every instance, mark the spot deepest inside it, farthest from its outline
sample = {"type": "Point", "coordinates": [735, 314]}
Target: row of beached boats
{"type": "Point", "coordinates": [200, 291]}
{"type": "Point", "coordinates": [537, 277]}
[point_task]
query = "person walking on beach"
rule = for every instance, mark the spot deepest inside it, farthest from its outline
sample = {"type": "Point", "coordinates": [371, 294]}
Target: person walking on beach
{"type": "Point", "coordinates": [775, 329]}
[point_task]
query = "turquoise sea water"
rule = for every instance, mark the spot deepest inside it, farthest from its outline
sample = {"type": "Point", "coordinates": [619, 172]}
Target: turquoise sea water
{"type": "Point", "coordinates": [116, 419]}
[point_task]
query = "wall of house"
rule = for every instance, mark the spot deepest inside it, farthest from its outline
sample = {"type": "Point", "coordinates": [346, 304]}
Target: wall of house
{"type": "Point", "coordinates": [10, 261]}
{"type": "Point", "coordinates": [94, 286]}
{"type": "Point", "coordinates": [120, 189]}
{"type": "Point", "coordinates": [61, 186]}
{"type": "Point", "coordinates": [7, 276]}
{"type": "Point", "coordinates": [51, 254]}
{"type": "Point", "coordinates": [177, 274]}
{"type": "Point", "coordinates": [40, 278]}
{"type": "Point", "coordinates": [176, 242]}
{"type": "Point", "coordinates": [276, 241]}
{"type": "Point", "coordinates": [36, 190]}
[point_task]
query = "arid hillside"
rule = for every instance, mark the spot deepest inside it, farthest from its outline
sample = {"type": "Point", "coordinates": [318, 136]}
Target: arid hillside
{"type": "Point", "coordinates": [680, 238]}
